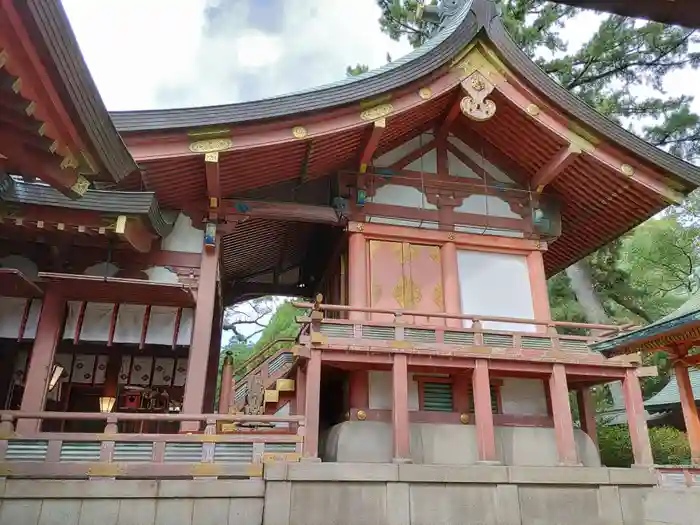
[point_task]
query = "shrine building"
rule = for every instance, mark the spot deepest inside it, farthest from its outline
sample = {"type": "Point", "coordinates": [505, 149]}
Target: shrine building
{"type": "Point", "coordinates": [413, 212]}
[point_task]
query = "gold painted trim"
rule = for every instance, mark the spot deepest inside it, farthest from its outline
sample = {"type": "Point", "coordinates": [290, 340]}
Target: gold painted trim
{"type": "Point", "coordinates": [627, 170]}
{"type": "Point", "coordinates": [4, 55]}
{"type": "Point", "coordinates": [211, 145]}
{"type": "Point", "coordinates": [376, 112]}
{"type": "Point", "coordinates": [30, 109]}
{"type": "Point", "coordinates": [211, 157]}
{"type": "Point", "coordinates": [81, 185]}
{"type": "Point", "coordinates": [120, 226]}
{"type": "Point", "coordinates": [299, 132]}
{"type": "Point", "coordinates": [533, 109]}
{"type": "Point", "coordinates": [425, 93]}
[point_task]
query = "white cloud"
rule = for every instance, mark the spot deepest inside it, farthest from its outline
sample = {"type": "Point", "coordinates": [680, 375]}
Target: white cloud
{"type": "Point", "coordinates": [165, 53]}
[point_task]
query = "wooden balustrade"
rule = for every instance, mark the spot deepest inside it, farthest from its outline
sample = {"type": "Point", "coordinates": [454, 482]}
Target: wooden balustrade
{"type": "Point", "coordinates": [678, 476]}
{"type": "Point", "coordinates": [240, 453]}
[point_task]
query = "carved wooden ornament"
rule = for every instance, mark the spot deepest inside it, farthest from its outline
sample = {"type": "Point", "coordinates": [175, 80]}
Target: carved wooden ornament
{"type": "Point", "coordinates": [475, 105]}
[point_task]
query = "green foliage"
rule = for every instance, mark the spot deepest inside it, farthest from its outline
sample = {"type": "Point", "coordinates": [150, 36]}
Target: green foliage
{"type": "Point", "coordinates": [282, 325]}
{"type": "Point", "coordinates": [358, 69]}
{"type": "Point", "coordinates": [669, 446]}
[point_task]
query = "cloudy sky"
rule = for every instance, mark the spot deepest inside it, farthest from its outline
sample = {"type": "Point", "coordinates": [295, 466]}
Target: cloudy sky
{"type": "Point", "coordinates": [163, 53]}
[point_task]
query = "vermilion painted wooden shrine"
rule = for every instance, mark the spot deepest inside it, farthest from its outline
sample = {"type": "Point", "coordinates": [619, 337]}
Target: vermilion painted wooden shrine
{"type": "Point", "coordinates": [418, 208]}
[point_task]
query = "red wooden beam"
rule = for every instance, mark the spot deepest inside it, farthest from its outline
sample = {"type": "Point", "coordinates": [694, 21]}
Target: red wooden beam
{"type": "Point", "coordinates": [135, 233]}
{"type": "Point", "coordinates": [564, 158]}
{"type": "Point", "coordinates": [450, 117]}
{"type": "Point", "coordinates": [371, 141]}
{"type": "Point", "coordinates": [211, 168]}
{"type": "Point", "coordinates": [288, 211]}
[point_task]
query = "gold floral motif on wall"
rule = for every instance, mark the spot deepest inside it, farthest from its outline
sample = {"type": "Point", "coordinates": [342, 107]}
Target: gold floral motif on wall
{"type": "Point", "coordinates": [406, 293]}
{"type": "Point", "coordinates": [438, 296]}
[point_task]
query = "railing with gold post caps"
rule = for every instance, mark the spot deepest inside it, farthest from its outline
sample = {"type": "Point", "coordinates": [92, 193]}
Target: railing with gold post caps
{"type": "Point", "coordinates": [250, 441]}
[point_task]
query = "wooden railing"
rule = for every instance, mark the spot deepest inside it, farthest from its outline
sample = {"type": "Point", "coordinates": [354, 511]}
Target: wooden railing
{"type": "Point", "coordinates": [240, 453]}
{"type": "Point", "coordinates": [438, 331]}
{"type": "Point", "coordinates": [678, 476]}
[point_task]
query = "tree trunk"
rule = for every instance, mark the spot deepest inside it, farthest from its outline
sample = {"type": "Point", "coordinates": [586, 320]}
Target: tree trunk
{"type": "Point", "coordinates": [582, 285]}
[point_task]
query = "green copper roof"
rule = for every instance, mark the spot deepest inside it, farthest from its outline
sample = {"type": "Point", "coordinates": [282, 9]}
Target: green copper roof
{"type": "Point", "coordinates": [688, 314]}
{"type": "Point", "coordinates": [669, 395]}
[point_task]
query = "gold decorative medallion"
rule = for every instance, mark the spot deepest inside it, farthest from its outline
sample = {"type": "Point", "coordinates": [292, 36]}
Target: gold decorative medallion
{"type": "Point", "coordinates": [212, 157]}
{"type": "Point", "coordinates": [425, 93]}
{"type": "Point", "coordinates": [451, 236]}
{"type": "Point", "coordinates": [376, 112]}
{"type": "Point", "coordinates": [211, 145]}
{"type": "Point", "coordinates": [299, 132]}
{"type": "Point", "coordinates": [627, 170]}
{"type": "Point", "coordinates": [464, 418]}
{"type": "Point", "coordinates": [360, 227]}
{"type": "Point", "coordinates": [533, 109]}
{"type": "Point", "coordinates": [475, 105]}
{"type": "Point", "coordinates": [81, 186]}
{"type": "Point", "coordinates": [361, 415]}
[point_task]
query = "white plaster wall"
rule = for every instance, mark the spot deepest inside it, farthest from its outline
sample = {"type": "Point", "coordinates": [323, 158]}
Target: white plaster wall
{"type": "Point", "coordinates": [22, 264]}
{"type": "Point", "coordinates": [426, 225]}
{"type": "Point", "coordinates": [184, 237]}
{"type": "Point", "coordinates": [487, 205]}
{"type": "Point", "coordinates": [497, 285]}
{"type": "Point", "coordinates": [479, 160]}
{"type": "Point", "coordinates": [161, 274]}
{"type": "Point", "coordinates": [401, 151]}
{"type": "Point", "coordinates": [425, 164]}
{"type": "Point", "coordinates": [102, 269]}
{"type": "Point", "coordinates": [523, 397]}
{"type": "Point", "coordinates": [11, 313]}
{"type": "Point", "coordinates": [380, 394]}
{"type": "Point", "coordinates": [457, 168]}
{"type": "Point", "coordinates": [398, 195]}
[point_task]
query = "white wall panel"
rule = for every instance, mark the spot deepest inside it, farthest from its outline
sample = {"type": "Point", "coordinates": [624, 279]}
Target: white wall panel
{"type": "Point", "coordinates": [497, 285]}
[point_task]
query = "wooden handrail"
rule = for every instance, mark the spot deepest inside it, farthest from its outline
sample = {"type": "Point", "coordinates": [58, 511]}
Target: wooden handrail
{"type": "Point", "coordinates": [473, 318]}
{"type": "Point", "coordinates": [113, 417]}
{"type": "Point", "coordinates": [261, 355]}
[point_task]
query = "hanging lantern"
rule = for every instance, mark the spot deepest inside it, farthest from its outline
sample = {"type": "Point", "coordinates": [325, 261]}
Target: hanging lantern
{"type": "Point", "coordinates": [56, 372]}
{"type": "Point", "coordinates": [210, 235]}
{"type": "Point", "coordinates": [107, 404]}
{"type": "Point", "coordinates": [361, 197]}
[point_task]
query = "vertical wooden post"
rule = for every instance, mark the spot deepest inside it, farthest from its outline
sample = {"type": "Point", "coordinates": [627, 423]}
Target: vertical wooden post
{"type": "Point", "coordinates": [450, 283]}
{"type": "Point", "coordinates": [214, 359]}
{"type": "Point", "coordinates": [359, 389]}
{"type": "Point", "coordinates": [636, 417]}
{"type": "Point", "coordinates": [300, 392]}
{"type": "Point", "coordinates": [399, 409]}
{"type": "Point", "coordinates": [41, 361]}
{"type": "Point", "coordinates": [226, 390]}
{"type": "Point", "coordinates": [481, 390]}
{"type": "Point", "coordinates": [357, 273]}
{"type": "Point", "coordinates": [460, 393]}
{"type": "Point", "coordinates": [312, 404]}
{"type": "Point", "coordinates": [690, 411]}
{"type": "Point", "coordinates": [586, 411]}
{"type": "Point", "coordinates": [561, 413]}
{"type": "Point", "coordinates": [198, 361]}
{"type": "Point", "coordinates": [538, 288]}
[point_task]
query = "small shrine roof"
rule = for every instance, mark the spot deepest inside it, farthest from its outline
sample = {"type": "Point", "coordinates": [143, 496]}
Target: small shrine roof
{"type": "Point", "coordinates": [670, 395]}
{"type": "Point", "coordinates": [680, 325]}
{"type": "Point", "coordinates": [107, 202]}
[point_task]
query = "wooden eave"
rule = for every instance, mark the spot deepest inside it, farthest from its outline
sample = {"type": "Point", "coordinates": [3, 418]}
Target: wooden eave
{"type": "Point", "coordinates": [676, 12]}
{"type": "Point", "coordinates": [42, 59]}
{"type": "Point", "coordinates": [13, 283]}
{"type": "Point", "coordinates": [118, 290]}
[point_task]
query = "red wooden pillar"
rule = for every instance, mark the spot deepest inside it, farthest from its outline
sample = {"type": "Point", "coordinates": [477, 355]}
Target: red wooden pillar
{"type": "Point", "coordinates": [299, 405]}
{"type": "Point", "coordinates": [460, 393]}
{"type": "Point", "coordinates": [359, 389]}
{"type": "Point", "coordinates": [357, 273]}
{"type": "Point", "coordinates": [312, 404]}
{"type": "Point", "coordinates": [226, 390]}
{"type": "Point", "coordinates": [586, 410]}
{"type": "Point", "coordinates": [561, 413]}
{"type": "Point", "coordinates": [399, 410]}
{"type": "Point", "coordinates": [690, 411]}
{"type": "Point", "coordinates": [198, 362]}
{"type": "Point", "coordinates": [450, 282]}
{"type": "Point", "coordinates": [41, 361]}
{"type": "Point", "coordinates": [481, 390]}
{"type": "Point", "coordinates": [214, 359]}
{"type": "Point", "coordinates": [636, 417]}
{"type": "Point", "coordinates": [538, 288]}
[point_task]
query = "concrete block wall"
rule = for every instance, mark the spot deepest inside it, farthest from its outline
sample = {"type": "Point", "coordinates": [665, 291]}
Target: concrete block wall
{"type": "Point", "coordinates": [359, 494]}
{"type": "Point", "coordinates": [131, 502]}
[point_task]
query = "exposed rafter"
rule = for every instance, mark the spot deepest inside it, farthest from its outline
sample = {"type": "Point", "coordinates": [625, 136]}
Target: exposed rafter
{"type": "Point", "coordinates": [290, 211]}
{"type": "Point", "coordinates": [452, 113]}
{"type": "Point", "coordinates": [556, 165]}
{"type": "Point", "coordinates": [370, 143]}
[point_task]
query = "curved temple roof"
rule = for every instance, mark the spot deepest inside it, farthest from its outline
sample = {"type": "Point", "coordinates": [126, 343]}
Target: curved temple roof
{"type": "Point", "coordinates": [456, 32]}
